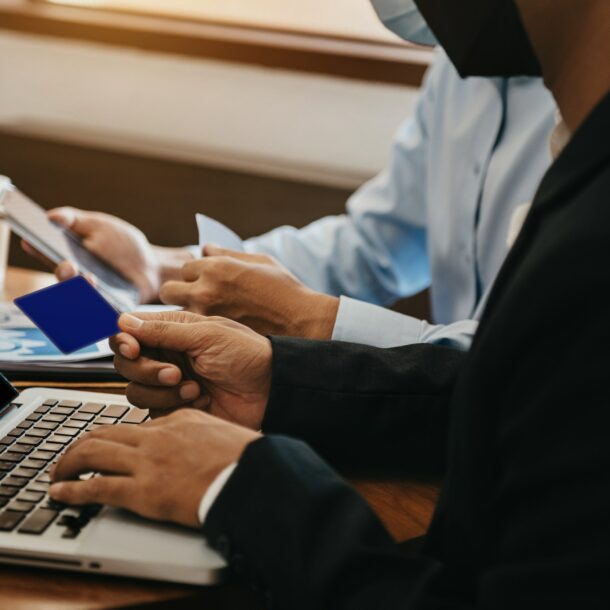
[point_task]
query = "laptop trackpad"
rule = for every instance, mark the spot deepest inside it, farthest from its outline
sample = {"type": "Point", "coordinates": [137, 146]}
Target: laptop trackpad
{"type": "Point", "coordinates": [121, 535]}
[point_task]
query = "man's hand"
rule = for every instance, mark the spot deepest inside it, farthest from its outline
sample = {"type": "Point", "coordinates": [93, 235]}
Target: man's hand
{"type": "Point", "coordinates": [160, 469]}
{"type": "Point", "coordinates": [122, 246]}
{"type": "Point", "coordinates": [176, 359]}
{"type": "Point", "coordinates": [255, 290]}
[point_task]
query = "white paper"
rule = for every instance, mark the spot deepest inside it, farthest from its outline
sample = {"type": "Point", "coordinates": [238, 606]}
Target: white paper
{"type": "Point", "coordinates": [213, 232]}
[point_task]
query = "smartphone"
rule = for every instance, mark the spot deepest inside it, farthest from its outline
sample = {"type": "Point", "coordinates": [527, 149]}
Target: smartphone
{"type": "Point", "coordinates": [28, 220]}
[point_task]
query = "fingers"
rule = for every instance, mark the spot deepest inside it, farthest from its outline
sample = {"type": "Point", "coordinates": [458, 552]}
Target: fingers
{"type": "Point", "coordinates": [214, 250]}
{"type": "Point", "coordinates": [149, 372]}
{"type": "Point", "coordinates": [95, 455]}
{"type": "Point", "coordinates": [175, 293]}
{"type": "Point", "coordinates": [65, 271]}
{"type": "Point", "coordinates": [80, 222]}
{"type": "Point", "coordinates": [183, 317]}
{"type": "Point", "coordinates": [125, 345]}
{"type": "Point", "coordinates": [28, 249]}
{"type": "Point", "coordinates": [159, 333]}
{"type": "Point", "coordinates": [162, 398]}
{"type": "Point", "coordinates": [112, 491]}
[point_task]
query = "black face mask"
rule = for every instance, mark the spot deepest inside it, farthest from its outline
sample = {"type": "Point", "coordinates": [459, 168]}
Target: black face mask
{"type": "Point", "coordinates": [482, 37]}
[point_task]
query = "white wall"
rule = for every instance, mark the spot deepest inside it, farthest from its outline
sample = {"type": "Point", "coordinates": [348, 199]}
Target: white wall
{"type": "Point", "coordinates": [284, 124]}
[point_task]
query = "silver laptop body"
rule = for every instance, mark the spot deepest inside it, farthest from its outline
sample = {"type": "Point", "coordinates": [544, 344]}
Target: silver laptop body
{"type": "Point", "coordinates": [85, 539]}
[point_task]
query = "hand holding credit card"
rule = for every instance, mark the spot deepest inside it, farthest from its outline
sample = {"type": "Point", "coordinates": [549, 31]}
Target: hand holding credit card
{"type": "Point", "coordinates": [72, 314]}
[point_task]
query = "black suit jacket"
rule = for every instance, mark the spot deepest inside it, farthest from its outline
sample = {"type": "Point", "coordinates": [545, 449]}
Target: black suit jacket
{"type": "Point", "coordinates": [524, 515]}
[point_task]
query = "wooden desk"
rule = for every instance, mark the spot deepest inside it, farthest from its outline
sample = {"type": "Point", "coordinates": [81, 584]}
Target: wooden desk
{"type": "Point", "coordinates": [404, 506]}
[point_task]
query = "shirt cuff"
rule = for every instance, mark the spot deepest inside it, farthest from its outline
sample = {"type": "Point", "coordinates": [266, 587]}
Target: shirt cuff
{"type": "Point", "coordinates": [360, 322]}
{"type": "Point", "coordinates": [213, 491]}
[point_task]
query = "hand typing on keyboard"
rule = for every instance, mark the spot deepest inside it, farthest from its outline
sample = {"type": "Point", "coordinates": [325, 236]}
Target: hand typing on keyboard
{"type": "Point", "coordinates": [160, 469]}
{"type": "Point", "coordinates": [28, 452]}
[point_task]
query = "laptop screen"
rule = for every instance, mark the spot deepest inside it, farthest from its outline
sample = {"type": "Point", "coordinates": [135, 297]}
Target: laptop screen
{"type": "Point", "coordinates": [7, 393]}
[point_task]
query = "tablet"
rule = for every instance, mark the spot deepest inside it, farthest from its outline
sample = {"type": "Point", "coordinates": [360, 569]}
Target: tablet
{"type": "Point", "coordinates": [28, 220]}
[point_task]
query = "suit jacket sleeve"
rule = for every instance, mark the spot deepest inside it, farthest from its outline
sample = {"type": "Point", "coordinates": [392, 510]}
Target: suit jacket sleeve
{"type": "Point", "coordinates": [293, 530]}
{"type": "Point", "coordinates": [359, 406]}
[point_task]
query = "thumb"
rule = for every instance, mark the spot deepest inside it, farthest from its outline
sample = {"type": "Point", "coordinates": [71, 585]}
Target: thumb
{"type": "Point", "coordinates": [162, 334]}
{"type": "Point", "coordinates": [73, 219]}
{"type": "Point", "coordinates": [215, 250]}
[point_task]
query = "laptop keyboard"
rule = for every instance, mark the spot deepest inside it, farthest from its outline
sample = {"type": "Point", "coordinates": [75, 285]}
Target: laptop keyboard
{"type": "Point", "coordinates": [31, 448]}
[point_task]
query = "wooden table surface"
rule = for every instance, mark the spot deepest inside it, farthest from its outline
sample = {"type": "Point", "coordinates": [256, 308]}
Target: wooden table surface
{"type": "Point", "coordinates": [404, 506]}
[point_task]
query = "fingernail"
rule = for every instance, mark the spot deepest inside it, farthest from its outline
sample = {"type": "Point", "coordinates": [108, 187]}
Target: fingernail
{"type": "Point", "coordinates": [128, 321]}
{"type": "Point", "coordinates": [189, 391]}
{"type": "Point", "coordinates": [55, 489]}
{"type": "Point", "coordinates": [124, 350]}
{"type": "Point", "coordinates": [169, 376]}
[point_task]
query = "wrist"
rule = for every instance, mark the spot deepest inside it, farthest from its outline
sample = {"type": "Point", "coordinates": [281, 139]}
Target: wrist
{"type": "Point", "coordinates": [318, 316]}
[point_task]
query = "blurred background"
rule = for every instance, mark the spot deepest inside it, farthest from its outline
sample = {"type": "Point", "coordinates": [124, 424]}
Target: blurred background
{"type": "Point", "coordinates": [256, 112]}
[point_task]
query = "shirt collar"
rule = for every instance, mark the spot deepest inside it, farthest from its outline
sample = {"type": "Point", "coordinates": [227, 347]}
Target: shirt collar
{"type": "Point", "coordinates": [585, 152]}
{"type": "Point", "coordinates": [560, 137]}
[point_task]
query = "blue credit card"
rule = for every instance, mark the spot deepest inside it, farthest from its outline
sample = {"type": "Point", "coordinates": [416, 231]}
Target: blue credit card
{"type": "Point", "coordinates": [72, 314]}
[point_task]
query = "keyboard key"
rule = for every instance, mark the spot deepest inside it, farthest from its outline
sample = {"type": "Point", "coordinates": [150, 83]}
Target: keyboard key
{"type": "Point", "coordinates": [23, 449]}
{"type": "Point", "coordinates": [105, 421]}
{"type": "Point", "coordinates": [31, 440]}
{"type": "Point", "coordinates": [24, 473]}
{"type": "Point", "coordinates": [16, 432]}
{"type": "Point", "coordinates": [38, 432]}
{"type": "Point", "coordinates": [33, 463]}
{"type": "Point", "coordinates": [9, 520]}
{"type": "Point", "coordinates": [25, 425]}
{"type": "Point", "coordinates": [34, 417]}
{"type": "Point", "coordinates": [51, 447]}
{"type": "Point", "coordinates": [70, 404]}
{"type": "Point", "coordinates": [7, 440]}
{"type": "Point", "coordinates": [39, 487]}
{"type": "Point", "coordinates": [44, 478]}
{"type": "Point", "coordinates": [50, 402]}
{"type": "Point", "coordinates": [62, 411]}
{"type": "Point", "coordinates": [43, 455]}
{"type": "Point", "coordinates": [135, 416]}
{"type": "Point", "coordinates": [62, 440]}
{"type": "Point", "coordinates": [67, 431]}
{"type": "Point", "coordinates": [92, 407]}
{"type": "Point", "coordinates": [6, 466]}
{"type": "Point", "coordinates": [8, 492]}
{"type": "Point", "coordinates": [10, 456]}
{"type": "Point", "coordinates": [38, 521]}
{"type": "Point", "coordinates": [53, 417]}
{"type": "Point", "coordinates": [20, 507]}
{"type": "Point", "coordinates": [47, 425]}
{"type": "Point", "coordinates": [75, 424]}
{"type": "Point", "coordinates": [82, 416]}
{"type": "Point", "coordinates": [14, 481]}
{"type": "Point", "coordinates": [115, 410]}
{"type": "Point", "coordinates": [43, 409]}
{"type": "Point", "coordinates": [31, 496]}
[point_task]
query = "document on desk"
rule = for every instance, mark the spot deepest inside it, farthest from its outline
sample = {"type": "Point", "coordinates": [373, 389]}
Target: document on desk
{"type": "Point", "coordinates": [213, 232]}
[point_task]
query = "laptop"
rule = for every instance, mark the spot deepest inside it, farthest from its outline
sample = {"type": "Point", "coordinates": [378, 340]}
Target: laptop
{"type": "Point", "coordinates": [36, 427]}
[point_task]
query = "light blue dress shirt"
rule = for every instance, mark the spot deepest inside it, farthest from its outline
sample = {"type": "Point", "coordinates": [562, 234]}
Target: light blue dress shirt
{"type": "Point", "coordinates": [438, 216]}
